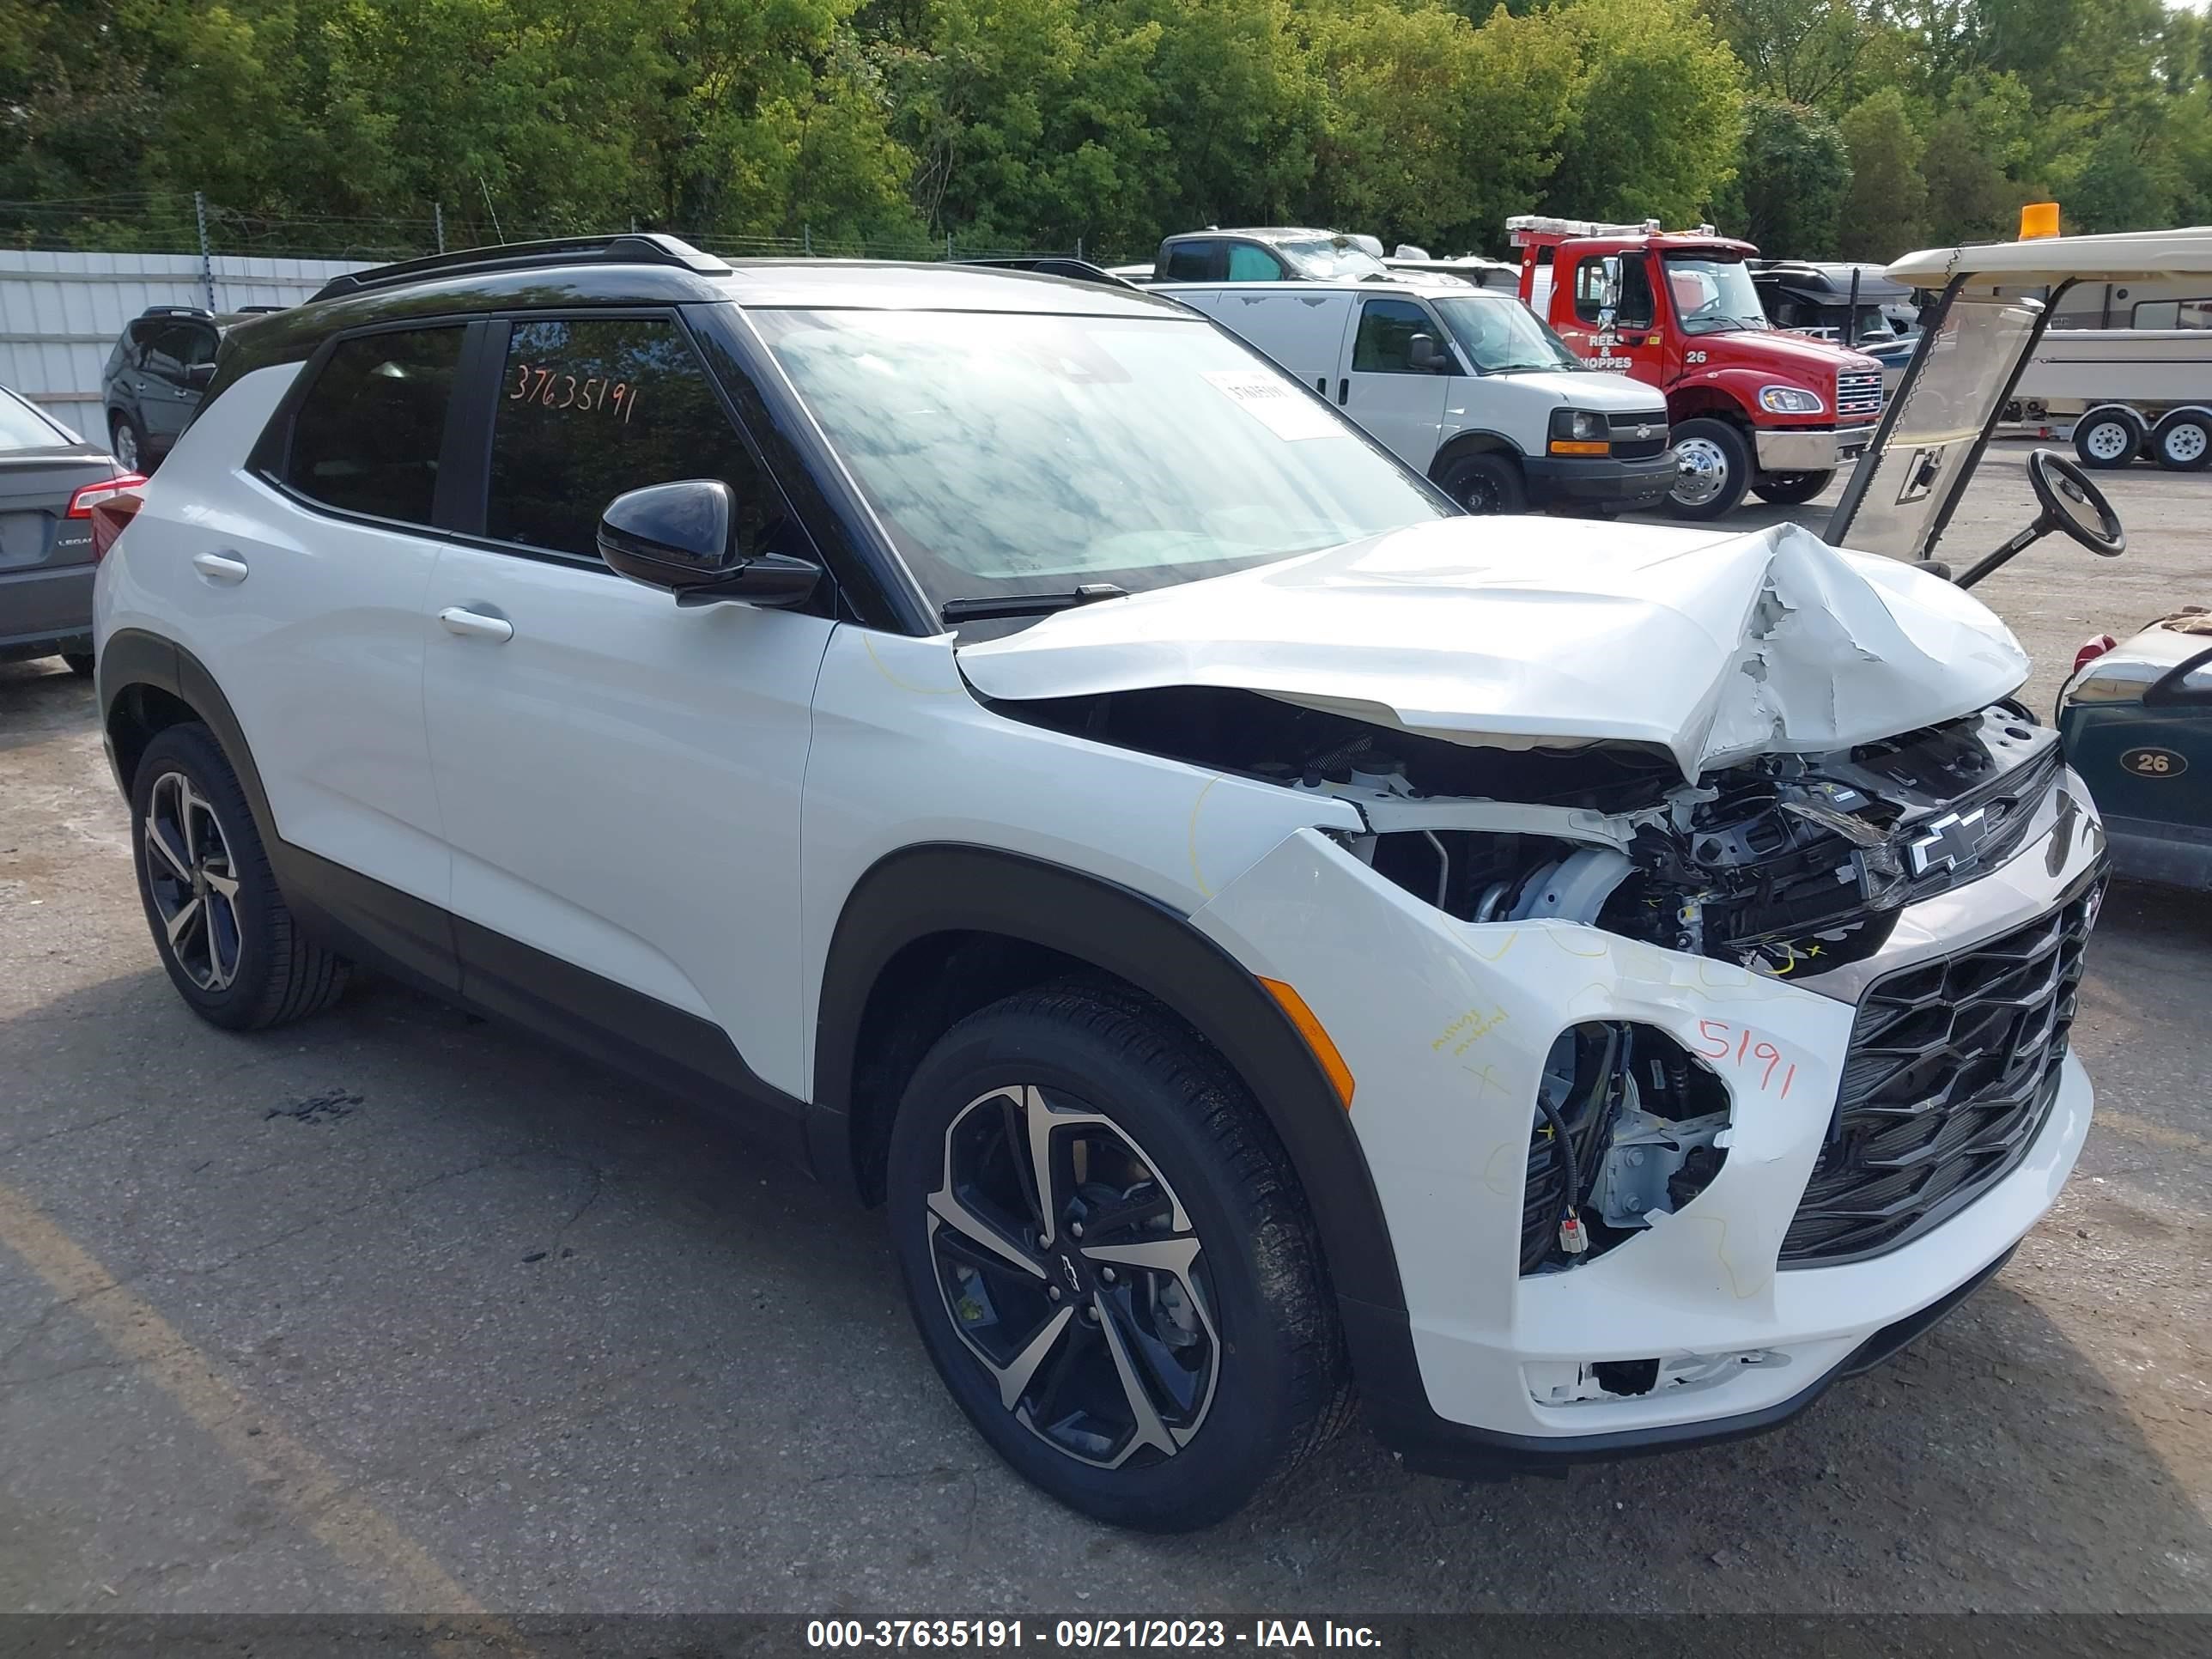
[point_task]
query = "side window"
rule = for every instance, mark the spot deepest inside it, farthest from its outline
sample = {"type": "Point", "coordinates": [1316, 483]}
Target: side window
{"type": "Point", "coordinates": [1194, 262]}
{"type": "Point", "coordinates": [588, 409]}
{"type": "Point", "coordinates": [1635, 308]}
{"type": "Point", "coordinates": [1589, 288]}
{"type": "Point", "coordinates": [369, 431]}
{"type": "Point", "coordinates": [168, 347]}
{"type": "Point", "coordinates": [1247, 263]}
{"type": "Point", "coordinates": [1383, 345]}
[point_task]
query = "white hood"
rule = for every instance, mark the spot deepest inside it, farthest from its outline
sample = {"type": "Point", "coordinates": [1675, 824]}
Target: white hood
{"type": "Point", "coordinates": [1526, 631]}
{"type": "Point", "coordinates": [1580, 388]}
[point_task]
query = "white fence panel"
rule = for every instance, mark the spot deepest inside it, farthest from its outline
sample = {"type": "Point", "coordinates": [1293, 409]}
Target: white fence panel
{"type": "Point", "coordinates": [61, 314]}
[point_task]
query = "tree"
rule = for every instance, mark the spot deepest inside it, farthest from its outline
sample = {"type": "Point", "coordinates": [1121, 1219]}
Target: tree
{"type": "Point", "coordinates": [1790, 184]}
{"type": "Point", "coordinates": [1885, 210]}
{"type": "Point", "coordinates": [1658, 114]}
{"type": "Point", "coordinates": [1800, 52]}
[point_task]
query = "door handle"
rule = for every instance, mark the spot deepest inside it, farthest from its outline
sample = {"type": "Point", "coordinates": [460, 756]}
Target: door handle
{"type": "Point", "coordinates": [475, 624]}
{"type": "Point", "coordinates": [1344, 392]}
{"type": "Point", "coordinates": [224, 566]}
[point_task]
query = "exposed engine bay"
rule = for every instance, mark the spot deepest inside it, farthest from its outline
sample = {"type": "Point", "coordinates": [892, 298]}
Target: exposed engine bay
{"type": "Point", "coordinates": [1784, 864]}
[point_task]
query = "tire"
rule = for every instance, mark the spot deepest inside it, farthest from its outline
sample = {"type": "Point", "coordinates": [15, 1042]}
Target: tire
{"type": "Point", "coordinates": [79, 662]}
{"type": "Point", "coordinates": [2182, 442]}
{"type": "Point", "coordinates": [1238, 1340]}
{"type": "Point", "coordinates": [1791, 488]}
{"type": "Point", "coordinates": [1485, 483]}
{"type": "Point", "coordinates": [126, 443]}
{"type": "Point", "coordinates": [1714, 466]}
{"type": "Point", "coordinates": [243, 963]}
{"type": "Point", "coordinates": [2108, 437]}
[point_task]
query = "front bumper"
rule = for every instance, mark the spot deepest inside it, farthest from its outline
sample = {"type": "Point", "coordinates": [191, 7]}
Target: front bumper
{"type": "Point", "coordinates": [1632, 486]}
{"type": "Point", "coordinates": [1810, 449]}
{"type": "Point", "coordinates": [1445, 1026]}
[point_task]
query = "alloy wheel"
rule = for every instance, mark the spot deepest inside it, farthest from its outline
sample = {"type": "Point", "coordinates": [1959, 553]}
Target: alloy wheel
{"type": "Point", "coordinates": [194, 882]}
{"type": "Point", "coordinates": [1071, 1270]}
{"type": "Point", "coordinates": [1701, 471]}
{"type": "Point", "coordinates": [126, 447]}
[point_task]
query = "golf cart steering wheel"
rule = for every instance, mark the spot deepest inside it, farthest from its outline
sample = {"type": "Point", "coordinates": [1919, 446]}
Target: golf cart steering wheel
{"type": "Point", "coordinates": [2072, 504]}
{"type": "Point", "coordinates": [2069, 502]}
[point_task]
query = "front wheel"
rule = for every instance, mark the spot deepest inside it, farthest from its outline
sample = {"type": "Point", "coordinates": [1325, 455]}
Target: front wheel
{"type": "Point", "coordinates": [231, 946]}
{"type": "Point", "coordinates": [1485, 483]}
{"type": "Point", "coordinates": [1109, 1259]}
{"type": "Point", "coordinates": [1712, 469]}
{"type": "Point", "coordinates": [1791, 488]}
{"type": "Point", "coordinates": [2182, 442]}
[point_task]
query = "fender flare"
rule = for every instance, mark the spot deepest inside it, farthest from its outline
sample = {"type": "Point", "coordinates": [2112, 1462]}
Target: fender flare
{"type": "Point", "coordinates": [950, 887]}
{"type": "Point", "coordinates": [1479, 439]}
{"type": "Point", "coordinates": [131, 657]}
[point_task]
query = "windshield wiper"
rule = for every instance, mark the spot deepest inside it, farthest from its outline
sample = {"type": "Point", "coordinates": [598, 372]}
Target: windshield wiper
{"type": "Point", "coordinates": [1028, 605]}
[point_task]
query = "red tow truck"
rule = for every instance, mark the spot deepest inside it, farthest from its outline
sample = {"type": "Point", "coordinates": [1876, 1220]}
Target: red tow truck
{"type": "Point", "coordinates": [1750, 407]}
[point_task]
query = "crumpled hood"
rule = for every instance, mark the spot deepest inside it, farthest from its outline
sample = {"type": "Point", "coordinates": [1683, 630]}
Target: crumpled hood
{"type": "Point", "coordinates": [1522, 632]}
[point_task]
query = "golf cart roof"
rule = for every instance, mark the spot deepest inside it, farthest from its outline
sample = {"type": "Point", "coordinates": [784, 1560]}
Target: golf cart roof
{"type": "Point", "coordinates": [2124, 255]}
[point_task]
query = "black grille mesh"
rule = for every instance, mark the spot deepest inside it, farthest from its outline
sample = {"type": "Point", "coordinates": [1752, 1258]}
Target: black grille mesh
{"type": "Point", "coordinates": [1953, 1067]}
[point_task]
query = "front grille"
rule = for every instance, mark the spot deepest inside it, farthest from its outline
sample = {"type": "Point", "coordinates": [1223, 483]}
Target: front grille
{"type": "Point", "coordinates": [1953, 1067]}
{"type": "Point", "coordinates": [1858, 395]}
{"type": "Point", "coordinates": [1627, 446]}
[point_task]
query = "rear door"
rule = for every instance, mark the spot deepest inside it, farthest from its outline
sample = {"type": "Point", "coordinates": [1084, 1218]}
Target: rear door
{"type": "Point", "coordinates": [300, 582]}
{"type": "Point", "coordinates": [620, 777]}
{"type": "Point", "coordinates": [1401, 407]}
{"type": "Point", "coordinates": [167, 396]}
{"type": "Point", "coordinates": [1301, 329]}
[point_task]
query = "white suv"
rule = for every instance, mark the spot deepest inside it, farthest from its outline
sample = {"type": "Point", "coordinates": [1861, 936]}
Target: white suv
{"type": "Point", "coordinates": [1262, 932]}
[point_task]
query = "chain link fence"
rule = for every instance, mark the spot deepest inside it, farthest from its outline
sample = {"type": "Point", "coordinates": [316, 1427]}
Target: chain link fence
{"type": "Point", "coordinates": [174, 222]}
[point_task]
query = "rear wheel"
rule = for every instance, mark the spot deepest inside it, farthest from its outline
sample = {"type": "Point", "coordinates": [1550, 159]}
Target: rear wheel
{"type": "Point", "coordinates": [1109, 1261]}
{"type": "Point", "coordinates": [231, 946]}
{"type": "Point", "coordinates": [1791, 488]}
{"type": "Point", "coordinates": [2108, 437]}
{"type": "Point", "coordinates": [130, 451]}
{"type": "Point", "coordinates": [1712, 469]}
{"type": "Point", "coordinates": [2182, 442]}
{"type": "Point", "coordinates": [1486, 482]}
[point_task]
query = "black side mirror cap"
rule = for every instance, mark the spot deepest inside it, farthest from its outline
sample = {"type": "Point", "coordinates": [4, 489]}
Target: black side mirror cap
{"type": "Point", "coordinates": [677, 537]}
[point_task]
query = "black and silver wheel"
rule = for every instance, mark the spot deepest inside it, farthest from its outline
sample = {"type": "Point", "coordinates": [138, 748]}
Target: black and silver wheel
{"type": "Point", "coordinates": [1790, 489]}
{"type": "Point", "coordinates": [129, 451]}
{"type": "Point", "coordinates": [1108, 1261]}
{"type": "Point", "coordinates": [1712, 469]}
{"type": "Point", "coordinates": [230, 945]}
{"type": "Point", "coordinates": [2182, 441]}
{"type": "Point", "coordinates": [2108, 437]}
{"type": "Point", "coordinates": [1485, 483]}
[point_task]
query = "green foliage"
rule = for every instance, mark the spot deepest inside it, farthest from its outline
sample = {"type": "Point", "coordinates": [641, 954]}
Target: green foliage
{"type": "Point", "coordinates": [1789, 189]}
{"type": "Point", "coordinates": [334, 125]}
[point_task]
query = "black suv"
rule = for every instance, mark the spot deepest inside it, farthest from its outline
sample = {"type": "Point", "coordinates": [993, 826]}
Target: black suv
{"type": "Point", "coordinates": [156, 376]}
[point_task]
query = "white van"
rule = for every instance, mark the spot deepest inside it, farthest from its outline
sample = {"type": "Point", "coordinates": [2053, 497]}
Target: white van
{"type": "Point", "coordinates": [1465, 383]}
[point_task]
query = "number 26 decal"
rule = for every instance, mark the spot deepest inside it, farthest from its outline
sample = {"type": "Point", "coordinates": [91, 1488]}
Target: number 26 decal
{"type": "Point", "coordinates": [1693, 356]}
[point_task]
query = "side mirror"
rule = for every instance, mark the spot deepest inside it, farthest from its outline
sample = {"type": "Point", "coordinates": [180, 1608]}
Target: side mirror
{"type": "Point", "coordinates": [677, 537]}
{"type": "Point", "coordinates": [1423, 354]}
{"type": "Point", "coordinates": [198, 374]}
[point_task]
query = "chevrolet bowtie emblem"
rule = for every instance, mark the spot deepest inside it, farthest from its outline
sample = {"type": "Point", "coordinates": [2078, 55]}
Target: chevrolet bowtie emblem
{"type": "Point", "coordinates": [1643, 431]}
{"type": "Point", "coordinates": [1947, 842]}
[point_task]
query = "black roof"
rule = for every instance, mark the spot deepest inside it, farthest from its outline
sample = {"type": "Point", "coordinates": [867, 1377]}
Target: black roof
{"type": "Point", "coordinates": [1820, 280]}
{"type": "Point", "coordinates": [648, 269]}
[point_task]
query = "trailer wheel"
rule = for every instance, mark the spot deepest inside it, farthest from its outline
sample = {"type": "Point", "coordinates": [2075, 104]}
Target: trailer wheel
{"type": "Point", "coordinates": [2182, 442]}
{"type": "Point", "coordinates": [2108, 436]}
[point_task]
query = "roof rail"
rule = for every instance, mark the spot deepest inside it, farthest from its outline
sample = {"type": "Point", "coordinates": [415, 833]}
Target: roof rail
{"type": "Point", "coordinates": [631, 248]}
{"type": "Point", "coordinates": [1051, 265]}
{"type": "Point", "coordinates": [260, 311]}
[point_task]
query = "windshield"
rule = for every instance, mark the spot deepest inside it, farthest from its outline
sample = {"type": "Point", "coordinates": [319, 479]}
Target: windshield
{"type": "Point", "coordinates": [1501, 336]}
{"type": "Point", "coordinates": [1322, 260]}
{"type": "Point", "coordinates": [1712, 296]}
{"type": "Point", "coordinates": [23, 427]}
{"type": "Point", "coordinates": [1012, 453]}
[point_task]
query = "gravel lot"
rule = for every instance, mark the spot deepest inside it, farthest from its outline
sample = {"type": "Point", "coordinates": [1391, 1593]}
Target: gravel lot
{"type": "Point", "coordinates": [394, 1310]}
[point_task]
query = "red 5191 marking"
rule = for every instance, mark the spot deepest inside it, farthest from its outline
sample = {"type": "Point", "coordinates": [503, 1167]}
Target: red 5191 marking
{"type": "Point", "coordinates": [1748, 1049]}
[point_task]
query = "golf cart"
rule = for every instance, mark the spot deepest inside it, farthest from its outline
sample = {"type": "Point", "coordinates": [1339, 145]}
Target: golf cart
{"type": "Point", "coordinates": [2130, 716]}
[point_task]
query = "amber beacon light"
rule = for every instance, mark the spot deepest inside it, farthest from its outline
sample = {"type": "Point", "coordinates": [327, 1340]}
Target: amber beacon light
{"type": "Point", "coordinates": [2037, 219]}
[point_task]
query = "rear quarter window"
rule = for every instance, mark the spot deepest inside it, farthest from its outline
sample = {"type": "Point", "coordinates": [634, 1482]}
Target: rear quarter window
{"type": "Point", "coordinates": [369, 432]}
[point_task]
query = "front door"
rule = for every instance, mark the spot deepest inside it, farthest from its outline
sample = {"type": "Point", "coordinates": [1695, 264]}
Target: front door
{"type": "Point", "coordinates": [1401, 407]}
{"type": "Point", "coordinates": [620, 778]}
{"type": "Point", "coordinates": [1635, 343]}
